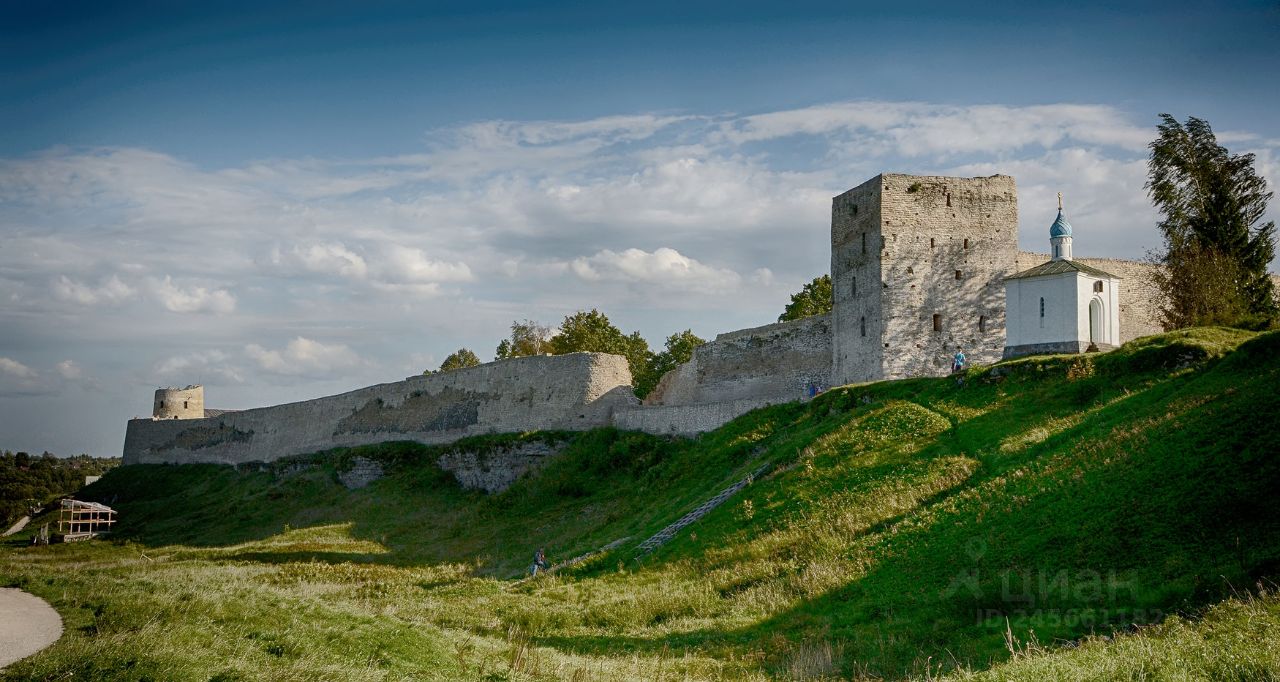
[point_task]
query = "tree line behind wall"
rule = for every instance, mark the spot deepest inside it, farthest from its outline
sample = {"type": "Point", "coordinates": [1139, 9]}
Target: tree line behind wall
{"type": "Point", "coordinates": [588, 332]}
{"type": "Point", "coordinates": [28, 481]}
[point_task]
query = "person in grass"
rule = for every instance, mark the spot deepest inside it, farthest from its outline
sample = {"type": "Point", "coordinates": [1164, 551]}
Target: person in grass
{"type": "Point", "coordinates": [539, 562]}
{"type": "Point", "coordinates": [957, 362]}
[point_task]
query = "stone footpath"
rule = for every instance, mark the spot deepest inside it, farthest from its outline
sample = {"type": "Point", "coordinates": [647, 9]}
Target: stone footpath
{"type": "Point", "coordinates": [663, 536]}
{"type": "Point", "coordinates": [27, 625]}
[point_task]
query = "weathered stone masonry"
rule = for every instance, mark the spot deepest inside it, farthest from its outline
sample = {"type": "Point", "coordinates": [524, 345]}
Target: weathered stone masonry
{"type": "Point", "coordinates": [572, 392]}
{"type": "Point", "coordinates": [917, 269]}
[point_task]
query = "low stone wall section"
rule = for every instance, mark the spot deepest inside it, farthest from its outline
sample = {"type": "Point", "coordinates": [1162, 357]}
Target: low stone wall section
{"type": "Point", "coordinates": [578, 391]}
{"type": "Point", "coordinates": [776, 362]}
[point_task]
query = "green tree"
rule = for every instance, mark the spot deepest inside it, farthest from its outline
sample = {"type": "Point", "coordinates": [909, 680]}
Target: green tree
{"type": "Point", "coordinates": [459, 359]}
{"type": "Point", "coordinates": [813, 299]}
{"type": "Point", "coordinates": [593, 332]}
{"type": "Point", "coordinates": [1216, 247]}
{"type": "Point", "coordinates": [527, 338]}
{"type": "Point", "coordinates": [679, 350]}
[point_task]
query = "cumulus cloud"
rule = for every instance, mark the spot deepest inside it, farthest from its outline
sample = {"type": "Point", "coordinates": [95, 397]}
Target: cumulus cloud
{"type": "Point", "coordinates": [203, 367]}
{"type": "Point", "coordinates": [401, 264]}
{"type": "Point", "coordinates": [303, 356]}
{"type": "Point", "coordinates": [332, 258]}
{"type": "Point", "coordinates": [68, 369]}
{"type": "Point", "coordinates": [664, 267]}
{"type": "Point", "coordinates": [109, 291]}
{"type": "Point", "coordinates": [16, 369]}
{"type": "Point", "coordinates": [194, 299]}
{"type": "Point", "coordinates": [19, 379]}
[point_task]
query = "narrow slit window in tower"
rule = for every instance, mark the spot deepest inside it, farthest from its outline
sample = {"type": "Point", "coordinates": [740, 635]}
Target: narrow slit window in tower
{"type": "Point", "coordinates": [959, 275]}
{"type": "Point", "coordinates": [931, 242]}
{"type": "Point", "coordinates": [862, 322]}
{"type": "Point", "coordinates": [185, 406]}
{"type": "Point", "coordinates": [937, 322]}
{"type": "Point", "coordinates": [864, 242]}
{"type": "Point", "coordinates": [982, 323]}
{"type": "Point", "coordinates": [966, 243]}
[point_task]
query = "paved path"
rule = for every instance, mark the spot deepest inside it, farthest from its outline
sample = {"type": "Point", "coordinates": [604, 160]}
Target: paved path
{"type": "Point", "coordinates": [22, 523]}
{"type": "Point", "coordinates": [27, 625]}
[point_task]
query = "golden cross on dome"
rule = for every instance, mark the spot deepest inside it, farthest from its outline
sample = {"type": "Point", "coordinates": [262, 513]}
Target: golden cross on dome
{"type": "Point", "coordinates": [1059, 201]}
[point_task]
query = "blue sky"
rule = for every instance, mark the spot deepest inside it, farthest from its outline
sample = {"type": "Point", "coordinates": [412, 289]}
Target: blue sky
{"type": "Point", "coordinates": [291, 202]}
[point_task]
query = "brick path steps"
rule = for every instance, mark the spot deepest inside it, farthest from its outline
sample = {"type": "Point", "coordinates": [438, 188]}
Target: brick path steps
{"type": "Point", "coordinates": [663, 536]}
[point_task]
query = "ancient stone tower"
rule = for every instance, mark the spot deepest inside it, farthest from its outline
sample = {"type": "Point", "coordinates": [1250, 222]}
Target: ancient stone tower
{"type": "Point", "coordinates": [179, 403]}
{"type": "Point", "coordinates": [918, 266]}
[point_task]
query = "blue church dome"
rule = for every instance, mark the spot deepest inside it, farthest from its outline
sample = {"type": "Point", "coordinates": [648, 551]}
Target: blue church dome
{"type": "Point", "coordinates": [1060, 227]}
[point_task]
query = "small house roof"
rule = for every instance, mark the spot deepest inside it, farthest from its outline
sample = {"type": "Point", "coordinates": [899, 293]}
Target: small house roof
{"type": "Point", "coordinates": [1061, 267]}
{"type": "Point", "coordinates": [85, 506]}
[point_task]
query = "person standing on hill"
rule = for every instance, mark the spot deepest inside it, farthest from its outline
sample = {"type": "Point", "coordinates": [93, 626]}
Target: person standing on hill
{"type": "Point", "coordinates": [539, 562]}
{"type": "Point", "coordinates": [957, 363]}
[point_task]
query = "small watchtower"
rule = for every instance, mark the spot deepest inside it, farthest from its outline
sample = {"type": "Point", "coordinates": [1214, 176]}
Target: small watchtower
{"type": "Point", "coordinates": [179, 403]}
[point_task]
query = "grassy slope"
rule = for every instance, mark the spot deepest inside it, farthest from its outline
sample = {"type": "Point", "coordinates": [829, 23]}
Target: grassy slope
{"type": "Point", "coordinates": [908, 527]}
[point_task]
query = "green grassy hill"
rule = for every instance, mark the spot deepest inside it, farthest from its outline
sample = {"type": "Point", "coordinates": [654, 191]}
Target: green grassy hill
{"type": "Point", "coordinates": [1033, 521]}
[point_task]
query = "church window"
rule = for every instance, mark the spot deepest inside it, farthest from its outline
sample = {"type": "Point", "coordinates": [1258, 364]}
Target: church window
{"type": "Point", "coordinates": [1097, 286]}
{"type": "Point", "coordinates": [863, 323]}
{"type": "Point", "coordinates": [937, 322]}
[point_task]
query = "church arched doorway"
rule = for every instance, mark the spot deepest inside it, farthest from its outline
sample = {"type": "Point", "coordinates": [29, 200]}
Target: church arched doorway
{"type": "Point", "coordinates": [1097, 321]}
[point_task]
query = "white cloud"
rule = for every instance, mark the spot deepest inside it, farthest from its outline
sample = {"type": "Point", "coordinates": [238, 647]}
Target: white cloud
{"type": "Point", "coordinates": [69, 370]}
{"type": "Point", "coordinates": [303, 356]}
{"type": "Point", "coordinates": [664, 267]}
{"type": "Point", "coordinates": [192, 299]}
{"type": "Point", "coordinates": [915, 128]}
{"type": "Point", "coordinates": [402, 264]}
{"type": "Point", "coordinates": [109, 291]}
{"type": "Point", "coordinates": [332, 258]}
{"type": "Point", "coordinates": [19, 379]}
{"type": "Point", "coordinates": [16, 369]}
{"type": "Point", "coordinates": [200, 367]}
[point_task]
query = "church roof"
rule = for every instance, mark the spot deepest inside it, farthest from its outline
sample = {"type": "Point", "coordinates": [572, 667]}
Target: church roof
{"type": "Point", "coordinates": [1060, 227]}
{"type": "Point", "coordinates": [1059, 267]}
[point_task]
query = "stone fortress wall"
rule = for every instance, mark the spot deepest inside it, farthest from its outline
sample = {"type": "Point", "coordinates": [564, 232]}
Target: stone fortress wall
{"type": "Point", "coordinates": [734, 374]}
{"type": "Point", "coordinates": [917, 269]}
{"type": "Point", "coordinates": [179, 403]}
{"type": "Point", "coordinates": [572, 392]}
{"type": "Point", "coordinates": [918, 266]}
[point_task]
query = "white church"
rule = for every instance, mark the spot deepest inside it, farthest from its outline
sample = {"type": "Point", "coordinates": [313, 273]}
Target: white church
{"type": "Point", "coordinates": [1061, 306]}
